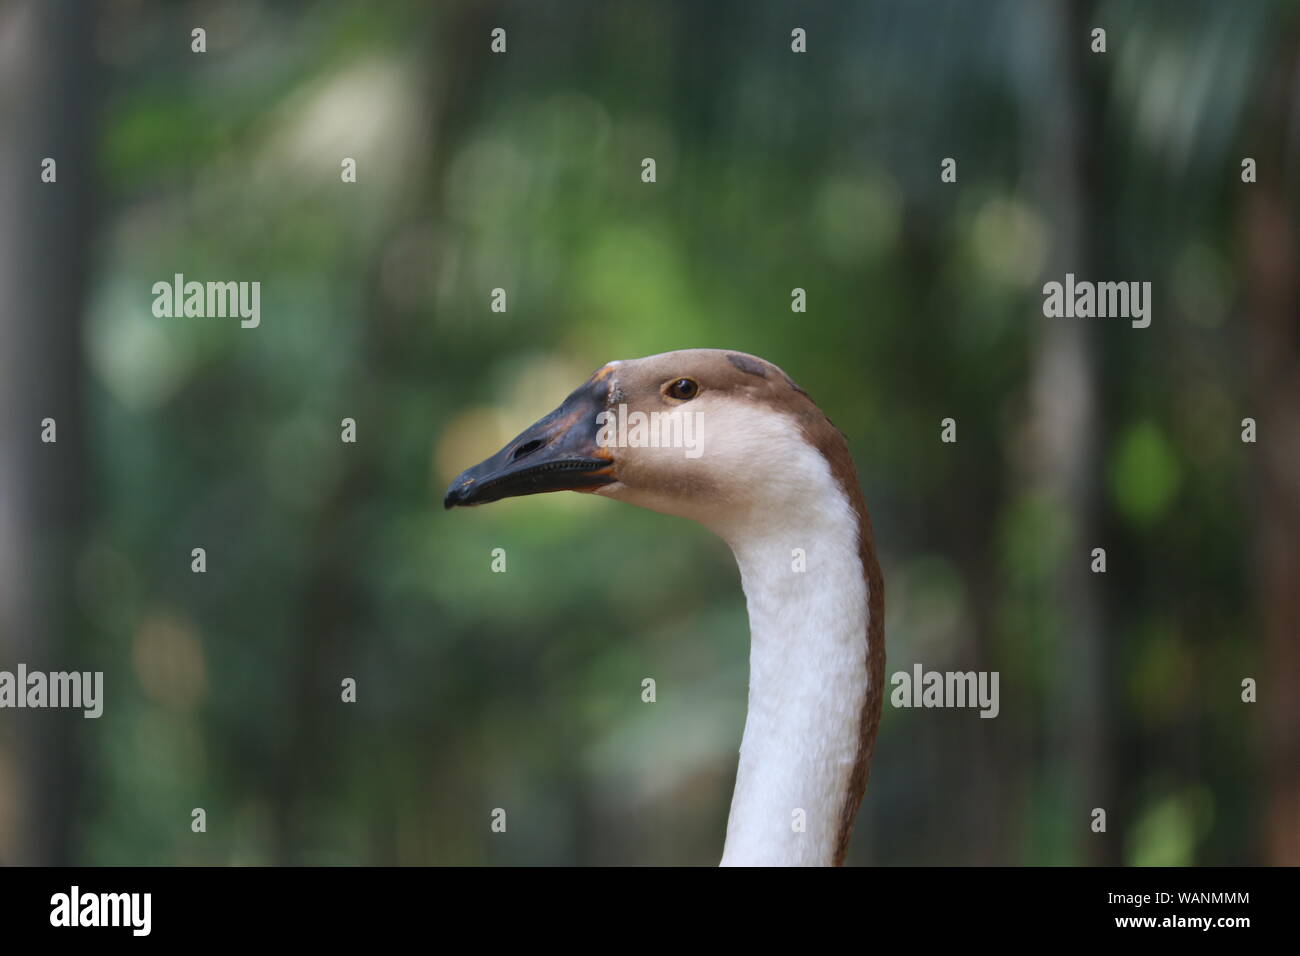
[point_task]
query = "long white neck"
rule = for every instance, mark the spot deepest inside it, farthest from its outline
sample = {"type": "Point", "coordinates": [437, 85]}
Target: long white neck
{"type": "Point", "coordinates": [808, 682]}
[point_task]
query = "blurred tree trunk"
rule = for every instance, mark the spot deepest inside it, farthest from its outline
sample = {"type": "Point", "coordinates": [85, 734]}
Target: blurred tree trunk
{"type": "Point", "coordinates": [46, 62]}
{"type": "Point", "coordinates": [1065, 427]}
{"type": "Point", "coordinates": [333, 611]}
{"type": "Point", "coordinates": [1272, 254]}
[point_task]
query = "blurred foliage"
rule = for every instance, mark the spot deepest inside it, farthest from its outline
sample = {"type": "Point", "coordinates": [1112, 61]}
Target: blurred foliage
{"type": "Point", "coordinates": [522, 690]}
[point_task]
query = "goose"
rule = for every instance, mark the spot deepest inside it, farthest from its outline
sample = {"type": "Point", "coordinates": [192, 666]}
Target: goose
{"type": "Point", "coordinates": [773, 478]}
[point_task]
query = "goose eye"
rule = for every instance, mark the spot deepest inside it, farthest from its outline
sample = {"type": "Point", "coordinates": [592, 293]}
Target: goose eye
{"type": "Point", "coordinates": [683, 389]}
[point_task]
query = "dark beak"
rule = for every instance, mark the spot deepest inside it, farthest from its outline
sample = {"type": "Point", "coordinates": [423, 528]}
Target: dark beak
{"type": "Point", "coordinates": [559, 453]}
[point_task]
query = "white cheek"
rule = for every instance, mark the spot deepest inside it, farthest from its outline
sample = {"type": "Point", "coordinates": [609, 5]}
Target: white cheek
{"type": "Point", "coordinates": [746, 457]}
{"type": "Point", "coordinates": [752, 447]}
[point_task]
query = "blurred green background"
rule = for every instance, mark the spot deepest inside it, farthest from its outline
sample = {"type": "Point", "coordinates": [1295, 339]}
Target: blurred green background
{"type": "Point", "coordinates": [521, 171]}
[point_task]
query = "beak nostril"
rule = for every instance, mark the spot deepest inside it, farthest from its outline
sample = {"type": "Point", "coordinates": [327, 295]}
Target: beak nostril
{"type": "Point", "coordinates": [526, 448]}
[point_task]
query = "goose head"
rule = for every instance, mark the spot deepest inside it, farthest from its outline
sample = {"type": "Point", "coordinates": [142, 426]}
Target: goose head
{"type": "Point", "coordinates": [729, 440]}
{"type": "Point", "coordinates": [714, 435]}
